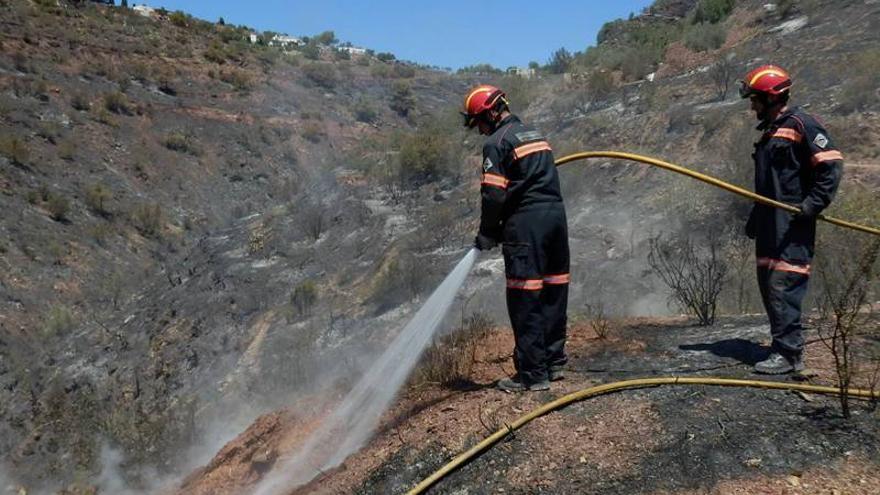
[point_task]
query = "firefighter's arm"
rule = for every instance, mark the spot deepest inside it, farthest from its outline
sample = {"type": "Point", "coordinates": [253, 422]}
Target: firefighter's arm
{"type": "Point", "coordinates": [493, 190]}
{"type": "Point", "coordinates": [827, 163]}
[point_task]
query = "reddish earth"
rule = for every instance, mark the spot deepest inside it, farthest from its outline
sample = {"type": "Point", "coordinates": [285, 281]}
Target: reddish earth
{"type": "Point", "coordinates": [619, 443]}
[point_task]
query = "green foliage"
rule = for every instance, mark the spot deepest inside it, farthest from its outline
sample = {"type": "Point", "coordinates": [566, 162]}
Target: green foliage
{"type": "Point", "coordinates": [216, 53]}
{"type": "Point", "coordinates": [859, 91]}
{"type": "Point", "coordinates": [403, 101]}
{"type": "Point", "coordinates": [80, 102]}
{"type": "Point", "coordinates": [182, 143]}
{"type": "Point", "coordinates": [311, 51]}
{"type": "Point", "coordinates": [15, 149]}
{"type": "Point", "coordinates": [148, 219]}
{"type": "Point", "coordinates": [712, 11]}
{"type": "Point", "coordinates": [322, 74]}
{"type": "Point", "coordinates": [636, 50]}
{"type": "Point", "coordinates": [480, 69]}
{"type": "Point", "coordinates": [117, 103]}
{"type": "Point", "coordinates": [58, 207]}
{"type": "Point", "coordinates": [59, 320]}
{"type": "Point", "coordinates": [560, 61]}
{"type": "Point", "coordinates": [312, 131]}
{"type": "Point", "coordinates": [179, 18]}
{"type": "Point", "coordinates": [385, 56]}
{"type": "Point", "coordinates": [705, 36]}
{"type": "Point", "coordinates": [364, 111]}
{"type": "Point", "coordinates": [424, 153]}
{"type": "Point", "coordinates": [96, 198]}
{"type": "Point", "coordinates": [238, 79]}
{"type": "Point", "coordinates": [326, 38]}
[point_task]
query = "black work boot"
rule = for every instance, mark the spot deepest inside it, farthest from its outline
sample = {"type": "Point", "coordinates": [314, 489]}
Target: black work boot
{"type": "Point", "coordinates": [780, 364]}
{"type": "Point", "coordinates": [516, 384]}
{"type": "Point", "coordinates": [556, 373]}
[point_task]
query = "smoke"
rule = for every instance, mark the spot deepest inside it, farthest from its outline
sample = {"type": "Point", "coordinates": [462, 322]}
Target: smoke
{"type": "Point", "coordinates": [113, 480]}
{"type": "Point", "coordinates": [7, 485]}
{"type": "Point", "coordinates": [352, 423]}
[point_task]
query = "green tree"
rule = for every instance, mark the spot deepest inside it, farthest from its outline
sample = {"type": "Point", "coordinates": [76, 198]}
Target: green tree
{"type": "Point", "coordinates": [402, 100]}
{"type": "Point", "coordinates": [712, 11]}
{"type": "Point", "coordinates": [560, 61]}
{"type": "Point", "coordinates": [326, 38]}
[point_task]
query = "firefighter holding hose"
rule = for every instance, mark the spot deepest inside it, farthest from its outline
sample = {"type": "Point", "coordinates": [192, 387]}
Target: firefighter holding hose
{"type": "Point", "coordinates": [797, 163]}
{"type": "Point", "coordinates": [522, 209]}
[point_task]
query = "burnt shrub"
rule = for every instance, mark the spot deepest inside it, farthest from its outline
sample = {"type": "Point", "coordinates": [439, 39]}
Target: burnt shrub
{"type": "Point", "coordinates": [694, 274]}
{"type": "Point", "coordinates": [303, 298]}
{"type": "Point", "coordinates": [80, 102]}
{"type": "Point", "coordinates": [450, 360]}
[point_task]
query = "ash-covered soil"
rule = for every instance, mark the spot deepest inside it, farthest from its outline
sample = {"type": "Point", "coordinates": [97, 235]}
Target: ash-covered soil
{"type": "Point", "coordinates": [666, 440]}
{"type": "Point", "coordinates": [672, 439]}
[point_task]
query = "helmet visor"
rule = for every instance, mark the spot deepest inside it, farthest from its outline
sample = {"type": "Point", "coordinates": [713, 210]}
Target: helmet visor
{"type": "Point", "coordinates": [469, 120]}
{"type": "Point", "coordinates": [745, 90]}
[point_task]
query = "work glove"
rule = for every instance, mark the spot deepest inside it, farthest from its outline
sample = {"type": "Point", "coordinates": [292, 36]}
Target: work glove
{"type": "Point", "coordinates": [484, 243]}
{"type": "Point", "coordinates": [806, 211]}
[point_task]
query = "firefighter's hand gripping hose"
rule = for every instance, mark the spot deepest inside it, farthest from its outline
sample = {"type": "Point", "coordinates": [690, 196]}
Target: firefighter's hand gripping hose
{"type": "Point", "coordinates": [709, 180]}
{"type": "Point", "coordinates": [615, 387]}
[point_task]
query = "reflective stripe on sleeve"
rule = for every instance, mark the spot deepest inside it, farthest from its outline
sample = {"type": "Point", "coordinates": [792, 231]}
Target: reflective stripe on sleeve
{"type": "Point", "coordinates": [783, 266]}
{"type": "Point", "coordinates": [558, 279]}
{"type": "Point", "coordinates": [789, 134]}
{"type": "Point", "coordinates": [525, 284]}
{"type": "Point", "coordinates": [494, 180]}
{"type": "Point", "coordinates": [826, 156]}
{"type": "Point", "coordinates": [527, 149]}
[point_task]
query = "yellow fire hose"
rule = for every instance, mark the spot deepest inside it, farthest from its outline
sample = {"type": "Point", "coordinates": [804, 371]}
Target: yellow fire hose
{"type": "Point", "coordinates": [614, 387]}
{"type": "Point", "coordinates": [709, 180]}
{"type": "Point", "coordinates": [651, 382]}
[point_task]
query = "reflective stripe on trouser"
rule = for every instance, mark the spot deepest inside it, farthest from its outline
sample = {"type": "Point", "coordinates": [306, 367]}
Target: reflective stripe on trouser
{"type": "Point", "coordinates": [783, 293]}
{"type": "Point", "coordinates": [536, 262]}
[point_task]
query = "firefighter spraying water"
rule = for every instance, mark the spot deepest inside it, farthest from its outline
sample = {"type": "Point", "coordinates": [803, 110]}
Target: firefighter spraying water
{"type": "Point", "coordinates": [522, 209]}
{"type": "Point", "coordinates": [350, 425]}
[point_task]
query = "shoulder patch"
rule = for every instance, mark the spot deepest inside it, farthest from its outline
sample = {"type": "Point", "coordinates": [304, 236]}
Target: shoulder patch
{"type": "Point", "coordinates": [526, 136]}
{"type": "Point", "coordinates": [820, 140]}
{"type": "Point", "coordinates": [487, 164]}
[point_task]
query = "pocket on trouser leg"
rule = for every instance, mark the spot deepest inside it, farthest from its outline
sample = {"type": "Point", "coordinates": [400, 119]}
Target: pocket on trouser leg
{"type": "Point", "coordinates": [519, 267]}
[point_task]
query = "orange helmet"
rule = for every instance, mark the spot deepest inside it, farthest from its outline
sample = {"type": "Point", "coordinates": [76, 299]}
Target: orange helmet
{"type": "Point", "coordinates": [766, 79]}
{"type": "Point", "coordinates": [480, 99]}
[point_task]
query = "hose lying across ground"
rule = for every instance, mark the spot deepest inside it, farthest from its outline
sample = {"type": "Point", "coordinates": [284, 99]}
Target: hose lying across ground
{"type": "Point", "coordinates": [652, 382]}
{"type": "Point", "coordinates": [615, 387]}
{"type": "Point", "coordinates": [709, 180]}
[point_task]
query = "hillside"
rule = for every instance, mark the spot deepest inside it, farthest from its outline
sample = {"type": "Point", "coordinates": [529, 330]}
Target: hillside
{"type": "Point", "coordinates": [177, 198]}
{"type": "Point", "coordinates": [203, 234]}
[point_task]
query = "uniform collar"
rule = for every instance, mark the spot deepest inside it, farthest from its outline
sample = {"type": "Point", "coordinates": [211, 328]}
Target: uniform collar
{"type": "Point", "coordinates": [763, 126]}
{"type": "Point", "coordinates": [507, 120]}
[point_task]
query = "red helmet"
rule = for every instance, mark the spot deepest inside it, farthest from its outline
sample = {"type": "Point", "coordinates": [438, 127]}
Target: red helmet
{"type": "Point", "coordinates": [480, 99]}
{"type": "Point", "coordinates": [766, 79]}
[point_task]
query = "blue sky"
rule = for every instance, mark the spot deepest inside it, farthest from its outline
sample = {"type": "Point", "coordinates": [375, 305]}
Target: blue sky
{"type": "Point", "coordinates": [450, 33]}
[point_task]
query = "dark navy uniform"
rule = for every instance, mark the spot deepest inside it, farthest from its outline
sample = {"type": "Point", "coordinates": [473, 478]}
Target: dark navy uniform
{"type": "Point", "coordinates": [796, 163]}
{"type": "Point", "coordinates": [522, 207]}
